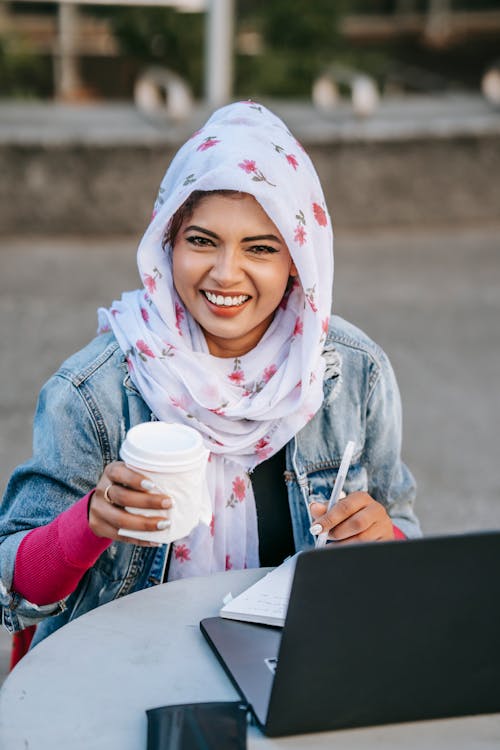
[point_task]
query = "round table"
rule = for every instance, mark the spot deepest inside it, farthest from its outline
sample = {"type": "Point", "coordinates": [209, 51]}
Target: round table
{"type": "Point", "coordinates": [87, 686]}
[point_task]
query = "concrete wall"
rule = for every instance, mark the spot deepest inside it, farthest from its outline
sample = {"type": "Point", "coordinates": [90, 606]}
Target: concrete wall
{"type": "Point", "coordinates": [96, 169]}
{"type": "Point", "coordinates": [110, 189]}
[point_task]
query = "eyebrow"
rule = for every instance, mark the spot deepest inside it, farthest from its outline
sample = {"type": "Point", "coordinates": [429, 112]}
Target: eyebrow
{"type": "Point", "coordinates": [271, 237]}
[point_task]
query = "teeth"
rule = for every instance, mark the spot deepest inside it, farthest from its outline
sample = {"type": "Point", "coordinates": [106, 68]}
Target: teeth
{"type": "Point", "coordinates": [218, 299]}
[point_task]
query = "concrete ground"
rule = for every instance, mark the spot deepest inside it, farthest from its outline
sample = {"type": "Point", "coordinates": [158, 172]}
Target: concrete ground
{"type": "Point", "coordinates": [431, 299]}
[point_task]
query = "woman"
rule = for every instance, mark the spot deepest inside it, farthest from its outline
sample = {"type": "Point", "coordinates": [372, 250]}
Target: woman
{"type": "Point", "coordinates": [232, 335]}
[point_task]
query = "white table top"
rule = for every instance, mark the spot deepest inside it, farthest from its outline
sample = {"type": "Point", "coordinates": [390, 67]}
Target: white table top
{"type": "Point", "coordinates": [87, 686]}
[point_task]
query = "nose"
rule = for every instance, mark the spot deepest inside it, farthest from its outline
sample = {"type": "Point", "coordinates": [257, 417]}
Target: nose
{"type": "Point", "coordinates": [227, 270]}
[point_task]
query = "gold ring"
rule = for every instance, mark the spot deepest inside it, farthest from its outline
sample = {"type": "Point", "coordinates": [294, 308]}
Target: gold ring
{"type": "Point", "coordinates": [106, 496]}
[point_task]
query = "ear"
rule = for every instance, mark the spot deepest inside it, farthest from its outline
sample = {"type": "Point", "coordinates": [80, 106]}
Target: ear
{"type": "Point", "coordinates": [293, 270]}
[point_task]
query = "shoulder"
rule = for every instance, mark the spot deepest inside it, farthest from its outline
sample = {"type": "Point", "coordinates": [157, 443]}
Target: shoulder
{"type": "Point", "coordinates": [91, 382]}
{"type": "Point", "coordinates": [101, 360]}
{"type": "Point", "coordinates": [347, 338]}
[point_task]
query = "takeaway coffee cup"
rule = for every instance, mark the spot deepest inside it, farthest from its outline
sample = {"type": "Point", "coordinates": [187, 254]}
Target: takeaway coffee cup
{"type": "Point", "coordinates": [174, 458]}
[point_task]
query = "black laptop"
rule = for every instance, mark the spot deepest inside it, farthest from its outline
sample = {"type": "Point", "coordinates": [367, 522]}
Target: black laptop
{"type": "Point", "coordinates": [374, 634]}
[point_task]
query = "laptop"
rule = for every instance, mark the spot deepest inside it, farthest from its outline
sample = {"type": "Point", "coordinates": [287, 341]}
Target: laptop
{"type": "Point", "coordinates": [374, 634]}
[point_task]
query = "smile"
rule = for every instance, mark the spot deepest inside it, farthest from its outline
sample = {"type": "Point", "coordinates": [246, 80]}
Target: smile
{"type": "Point", "coordinates": [221, 301]}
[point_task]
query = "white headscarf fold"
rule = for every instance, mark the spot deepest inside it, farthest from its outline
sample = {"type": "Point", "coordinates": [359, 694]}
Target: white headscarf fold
{"type": "Point", "coordinates": [247, 408]}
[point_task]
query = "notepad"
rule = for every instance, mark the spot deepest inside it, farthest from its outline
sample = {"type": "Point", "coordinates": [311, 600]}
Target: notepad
{"type": "Point", "coordinates": [265, 602]}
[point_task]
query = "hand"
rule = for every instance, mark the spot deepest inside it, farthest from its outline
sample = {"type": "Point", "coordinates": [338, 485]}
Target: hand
{"type": "Point", "coordinates": [355, 518]}
{"type": "Point", "coordinates": [125, 487]}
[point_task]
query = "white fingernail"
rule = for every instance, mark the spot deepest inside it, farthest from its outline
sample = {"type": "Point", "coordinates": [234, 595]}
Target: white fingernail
{"type": "Point", "coordinates": [316, 529]}
{"type": "Point", "coordinates": [149, 486]}
{"type": "Point", "coordinates": [163, 525]}
{"type": "Point", "coordinates": [342, 495]}
{"type": "Point", "coordinates": [168, 502]}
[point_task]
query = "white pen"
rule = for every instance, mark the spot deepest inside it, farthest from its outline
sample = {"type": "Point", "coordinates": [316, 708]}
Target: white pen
{"type": "Point", "coordinates": [337, 488]}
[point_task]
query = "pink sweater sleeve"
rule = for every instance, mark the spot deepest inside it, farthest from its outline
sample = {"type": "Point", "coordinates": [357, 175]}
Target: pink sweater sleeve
{"type": "Point", "coordinates": [52, 559]}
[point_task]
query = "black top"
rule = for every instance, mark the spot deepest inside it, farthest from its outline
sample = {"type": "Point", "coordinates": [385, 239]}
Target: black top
{"type": "Point", "coordinates": [273, 512]}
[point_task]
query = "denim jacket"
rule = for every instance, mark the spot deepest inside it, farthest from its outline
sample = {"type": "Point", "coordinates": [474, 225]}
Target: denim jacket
{"type": "Point", "coordinates": [86, 408]}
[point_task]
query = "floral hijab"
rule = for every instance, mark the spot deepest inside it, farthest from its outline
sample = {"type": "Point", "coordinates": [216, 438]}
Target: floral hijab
{"type": "Point", "coordinates": [247, 408]}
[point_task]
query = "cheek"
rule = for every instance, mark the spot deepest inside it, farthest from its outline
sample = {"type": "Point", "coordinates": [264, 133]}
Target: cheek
{"type": "Point", "coordinates": [182, 269]}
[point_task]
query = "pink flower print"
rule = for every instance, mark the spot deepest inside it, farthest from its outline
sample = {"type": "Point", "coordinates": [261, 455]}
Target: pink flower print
{"type": "Point", "coordinates": [325, 323]}
{"type": "Point", "coordinates": [248, 166]}
{"type": "Point", "coordinates": [237, 377]}
{"type": "Point", "coordinates": [310, 297]}
{"type": "Point", "coordinates": [182, 552]}
{"type": "Point", "coordinates": [130, 364]}
{"type": "Point", "coordinates": [104, 329]}
{"type": "Point", "coordinates": [219, 412]}
{"type": "Point", "coordinates": [229, 564]}
{"type": "Point", "coordinates": [144, 314]}
{"type": "Point", "coordinates": [263, 449]}
{"type": "Point", "coordinates": [144, 350]}
{"type": "Point", "coordinates": [179, 317]}
{"type": "Point", "coordinates": [153, 214]}
{"type": "Point", "coordinates": [150, 283]}
{"type": "Point", "coordinates": [300, 234]}
{"type": "Point", "coordinates": [196, 132]}
{"type": "Point", "coordinates": [114, 312]}
{"type": "Point", "coordinates": [150, 280]}
{"type": "Point", "coordinates": [320, 215]}
{"type": "Point", "coordinates": [292, 160]}
{"type": "Point", "coordinates": [269, 372]}
{"type": "Point", "coordinates": [239, 488]}
{"type": "Point", "coordinates": [212, 525]}
{"type": "Point", "coordinates": [299, 327]}
{"type": "Point", "coordinates": [180, 402]}
{"type": "Point", "coordinates": [208, 143]}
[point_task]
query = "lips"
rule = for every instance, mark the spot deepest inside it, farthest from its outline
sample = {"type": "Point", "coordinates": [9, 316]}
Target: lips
{"type": "Point", "coordinates": [225, 300]}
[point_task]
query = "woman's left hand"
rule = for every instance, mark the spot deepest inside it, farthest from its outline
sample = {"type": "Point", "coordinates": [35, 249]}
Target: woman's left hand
{"type": "Point", "coordinates": [355, 518]}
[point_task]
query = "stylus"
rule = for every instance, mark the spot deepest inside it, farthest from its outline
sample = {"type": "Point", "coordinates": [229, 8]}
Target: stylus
{"type": "Point", "coordinates": [337, 487]}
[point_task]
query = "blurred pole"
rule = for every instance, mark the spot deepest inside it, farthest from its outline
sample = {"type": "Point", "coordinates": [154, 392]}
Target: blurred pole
{"type": "Point", "coordinates": [219, 52]}
{"type": "Point", "coordinates": [403, 7]}
{"type": "Point", "coordinates": [438, 24]}
{"type": "Point", "coordinates": [67, 78]}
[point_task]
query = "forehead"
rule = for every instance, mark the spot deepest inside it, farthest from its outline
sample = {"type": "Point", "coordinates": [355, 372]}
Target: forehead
{"type": "Point", "coordinates": [243, 206]}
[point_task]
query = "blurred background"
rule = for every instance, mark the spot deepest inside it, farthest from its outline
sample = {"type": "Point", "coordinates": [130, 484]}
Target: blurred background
{"type": "Point", "coordinates": [398, 104]}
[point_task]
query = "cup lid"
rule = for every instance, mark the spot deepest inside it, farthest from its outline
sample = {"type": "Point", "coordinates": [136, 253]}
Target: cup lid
{"type": "Point", "coordinates": [161, 444]}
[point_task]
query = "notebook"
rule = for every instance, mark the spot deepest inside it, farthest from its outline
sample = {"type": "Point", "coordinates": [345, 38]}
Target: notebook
{"type": "Point", "coordinates": [374, 634]}
{"type": "Point", "coordinates": [266, 601]}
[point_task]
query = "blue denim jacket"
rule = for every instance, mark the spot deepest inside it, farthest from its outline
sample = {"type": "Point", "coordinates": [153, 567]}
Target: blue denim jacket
{"type": "Point", "coordinates": [86, 408]}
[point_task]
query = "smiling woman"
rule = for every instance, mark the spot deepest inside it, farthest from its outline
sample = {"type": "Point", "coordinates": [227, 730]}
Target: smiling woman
{"type": "Point", "coordinates": [231, 268]}
{"type": "Point", "coordinates": [231, 334]}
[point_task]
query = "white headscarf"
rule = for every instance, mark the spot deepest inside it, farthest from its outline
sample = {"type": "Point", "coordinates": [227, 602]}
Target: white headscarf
{"type": "Point", "coordinates": [246, 409]}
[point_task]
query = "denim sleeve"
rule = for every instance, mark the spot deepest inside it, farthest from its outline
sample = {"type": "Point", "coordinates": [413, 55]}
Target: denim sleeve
{"type": "Point", "coordinates": [66, 464]}
{"type": "Point", "coordinates": [389, 480]}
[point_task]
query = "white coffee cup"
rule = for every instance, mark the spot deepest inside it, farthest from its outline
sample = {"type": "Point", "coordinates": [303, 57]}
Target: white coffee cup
{"type": "Point", "coordinates": [174, 458]}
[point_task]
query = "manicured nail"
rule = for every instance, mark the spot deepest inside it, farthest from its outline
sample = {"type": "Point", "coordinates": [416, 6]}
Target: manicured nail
{"type": "Point", "coordinates": [167, 503]}
{"type": "Point", "coordinates": [149, 486]}
{"type": "Point", "coordinates": [316, 529]}
{"type": "Point", "coordinates": [163, 525]}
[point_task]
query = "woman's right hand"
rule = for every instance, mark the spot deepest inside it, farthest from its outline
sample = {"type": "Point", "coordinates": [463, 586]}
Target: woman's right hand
{"type": "Point", "coordinates": [125, 487]}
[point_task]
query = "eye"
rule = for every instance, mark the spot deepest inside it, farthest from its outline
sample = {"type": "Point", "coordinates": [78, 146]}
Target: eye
{"type": "Point", "coordinates": [198, 241]}
{"type": "Point", "coordinates": [262, 250]}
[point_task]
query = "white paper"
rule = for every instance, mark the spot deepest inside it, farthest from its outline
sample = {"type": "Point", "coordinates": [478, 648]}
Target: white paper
{"type": "Point", "coordinates": [267, 600]}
